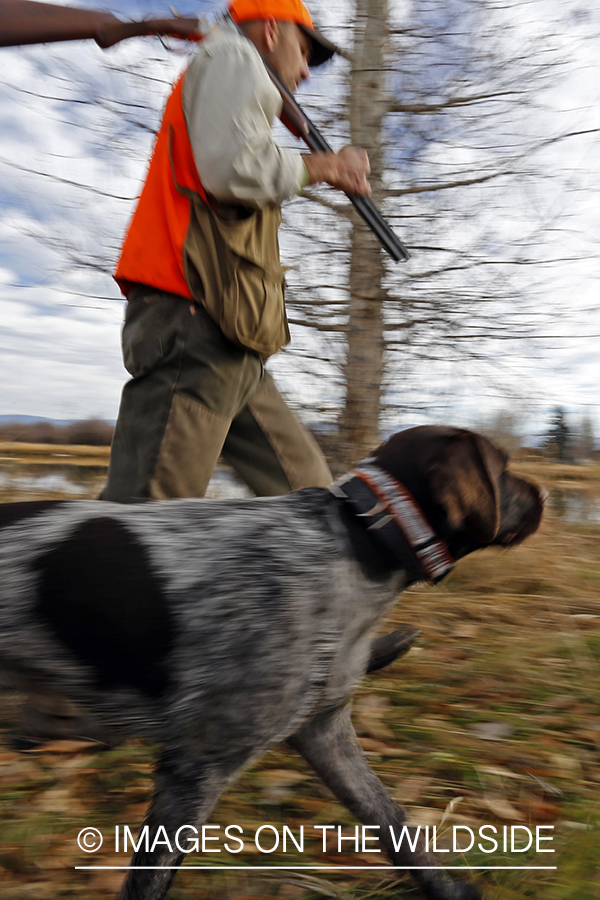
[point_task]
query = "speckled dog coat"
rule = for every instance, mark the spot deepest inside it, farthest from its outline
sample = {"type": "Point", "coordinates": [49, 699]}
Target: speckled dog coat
{"type": "Point", "coordinates": [220, 628]}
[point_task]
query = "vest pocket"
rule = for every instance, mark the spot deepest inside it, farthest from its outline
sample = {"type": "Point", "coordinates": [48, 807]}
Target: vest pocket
{"type": "Point", "coordinates": [232, 268]}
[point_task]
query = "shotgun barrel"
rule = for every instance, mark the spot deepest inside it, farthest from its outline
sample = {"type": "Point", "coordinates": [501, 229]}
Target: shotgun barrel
{"type": "Point", "coordinates": [296, 120]}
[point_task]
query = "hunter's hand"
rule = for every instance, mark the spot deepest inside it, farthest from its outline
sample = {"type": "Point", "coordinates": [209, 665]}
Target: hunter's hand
{"type": "Point", "coordinates": [347, 170]}
{"type": "Point", "coordinates": [353, 171]}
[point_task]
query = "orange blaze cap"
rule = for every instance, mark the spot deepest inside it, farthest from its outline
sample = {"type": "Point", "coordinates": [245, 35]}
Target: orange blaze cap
{"type": "Point", "coordinates": [285, 11]}
{"type": "Point", "coordinates": [282, 10]}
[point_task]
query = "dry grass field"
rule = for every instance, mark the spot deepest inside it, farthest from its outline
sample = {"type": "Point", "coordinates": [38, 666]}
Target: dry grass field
{"type": "Point", "coordinates": [492, 719]}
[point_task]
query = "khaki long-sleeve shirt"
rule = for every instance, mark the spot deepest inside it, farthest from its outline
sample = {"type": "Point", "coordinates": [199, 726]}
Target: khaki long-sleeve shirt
{"type": "Point", "coordinates": [230, 104]}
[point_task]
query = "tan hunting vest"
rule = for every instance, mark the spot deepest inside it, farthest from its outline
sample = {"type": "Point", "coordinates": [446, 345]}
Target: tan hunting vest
{"type": "Point", "coordinates": [181, 242]}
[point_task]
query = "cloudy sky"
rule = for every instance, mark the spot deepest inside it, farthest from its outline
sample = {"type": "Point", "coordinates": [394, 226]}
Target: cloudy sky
{"type": "Point", "coordinates": [75, 132]}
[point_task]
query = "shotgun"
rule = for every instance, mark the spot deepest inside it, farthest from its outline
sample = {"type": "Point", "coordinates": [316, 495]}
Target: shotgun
{"type": "Point", "coordinates": [30, 22]}
{"type": "Point", "coordinates": [296, 121]}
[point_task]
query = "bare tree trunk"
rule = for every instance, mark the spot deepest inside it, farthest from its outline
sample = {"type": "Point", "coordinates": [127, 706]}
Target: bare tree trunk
{"type": "Point", "coordinates": [364, 368]}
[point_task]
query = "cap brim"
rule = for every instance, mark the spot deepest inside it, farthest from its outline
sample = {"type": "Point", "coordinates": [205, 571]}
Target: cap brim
{"type": "Point", "coordinates": [322, 49]}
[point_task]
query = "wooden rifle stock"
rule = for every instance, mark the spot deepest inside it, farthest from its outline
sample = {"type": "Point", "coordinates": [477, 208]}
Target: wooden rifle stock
{"type": "Point", "coordinates": [29, 22]}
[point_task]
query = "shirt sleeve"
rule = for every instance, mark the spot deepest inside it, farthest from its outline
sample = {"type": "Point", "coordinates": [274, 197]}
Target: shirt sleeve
{"type": "Point", "coordinates": [230, 105]}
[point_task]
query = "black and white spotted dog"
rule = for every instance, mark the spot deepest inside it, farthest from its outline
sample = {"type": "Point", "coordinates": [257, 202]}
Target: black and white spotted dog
{"type": "Point", "coordinates": [221, 628]}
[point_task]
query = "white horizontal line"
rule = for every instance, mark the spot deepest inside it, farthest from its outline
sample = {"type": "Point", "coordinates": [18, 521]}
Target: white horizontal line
{"type": "Point", "coordinates": [313, 868]}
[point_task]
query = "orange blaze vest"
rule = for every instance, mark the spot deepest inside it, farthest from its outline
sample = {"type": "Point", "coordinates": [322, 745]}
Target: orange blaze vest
{"type": "Point", "coordinates": [152, 253]}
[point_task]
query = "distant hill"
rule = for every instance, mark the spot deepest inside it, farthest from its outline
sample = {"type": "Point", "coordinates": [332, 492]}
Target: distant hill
{"type": "Point", "coordinates": [32, 420]}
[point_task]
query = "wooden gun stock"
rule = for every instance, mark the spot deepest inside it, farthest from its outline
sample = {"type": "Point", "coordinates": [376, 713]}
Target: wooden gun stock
{"type": "Point", "coordinates": [29, 22]}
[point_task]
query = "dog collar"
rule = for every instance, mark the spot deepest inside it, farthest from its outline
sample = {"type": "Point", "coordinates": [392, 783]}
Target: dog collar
{"type": "Point", "coordinates": [398, 520]}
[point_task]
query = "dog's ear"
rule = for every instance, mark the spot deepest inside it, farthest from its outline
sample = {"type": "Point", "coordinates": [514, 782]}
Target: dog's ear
{"type": "Point", "coordinates": [464, 481]}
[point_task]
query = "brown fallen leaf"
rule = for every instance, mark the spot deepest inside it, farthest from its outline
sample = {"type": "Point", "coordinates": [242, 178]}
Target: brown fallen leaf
{"type": "Point", "coordinates": [502, 809]}
{"type": "Point", "coordinates": [370, 745]}
{"type": "Point", "coordinates": [423, 816]}
{"type": "Point", "coordinates": [282, 777]}
{"type": "Point", "coordinates": [540, 810]}
{"type": "Point", "coordinates": [590, 735]}
{"type": "Point", "coordinates": [410, 790]}
{"type": "Point", "coordinates": [107, 882]}
{"type": "Point", "coordinates": [63, 800]}
{"type": "Point", "coordinates": [492, 731]}
{"type": "Point", "coordinates": [279, 784]}
{"type": "Point", "coordinates": [466, 630]}
{"type": "Point", "coordinates": [65, 747]}
{"type": "Point", "coordinates": [368, 714]}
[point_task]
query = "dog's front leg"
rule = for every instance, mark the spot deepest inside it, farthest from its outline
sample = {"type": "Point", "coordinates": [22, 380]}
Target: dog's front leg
{"type": "Point", "coordinates": [329, 744]}
{"type": "Point", "coordinates": [186, 790]}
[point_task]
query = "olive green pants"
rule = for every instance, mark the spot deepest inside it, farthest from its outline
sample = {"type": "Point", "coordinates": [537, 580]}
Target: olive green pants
{"type": "Point", "coordinates": [195, 396]}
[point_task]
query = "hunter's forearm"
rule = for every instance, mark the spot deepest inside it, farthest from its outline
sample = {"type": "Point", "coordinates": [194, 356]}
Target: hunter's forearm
{"type": "Point", "coordinates": [321, 167]}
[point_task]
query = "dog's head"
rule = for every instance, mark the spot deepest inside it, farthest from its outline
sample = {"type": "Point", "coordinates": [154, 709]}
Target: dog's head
{"type": "Point", "coordinates": [461, 481]}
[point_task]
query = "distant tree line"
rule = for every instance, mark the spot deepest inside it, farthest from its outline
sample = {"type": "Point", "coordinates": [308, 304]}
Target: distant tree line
{"type": "Point", "coordinates": [563, 439]}
{"type": "Point", "coordinates": [91, 432]}
{"type": "Point", "coordinates": [569, 443]}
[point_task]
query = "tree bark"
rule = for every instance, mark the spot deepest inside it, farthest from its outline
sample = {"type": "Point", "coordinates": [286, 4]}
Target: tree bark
{"type": "Point", "coordinates": [365, 361]}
